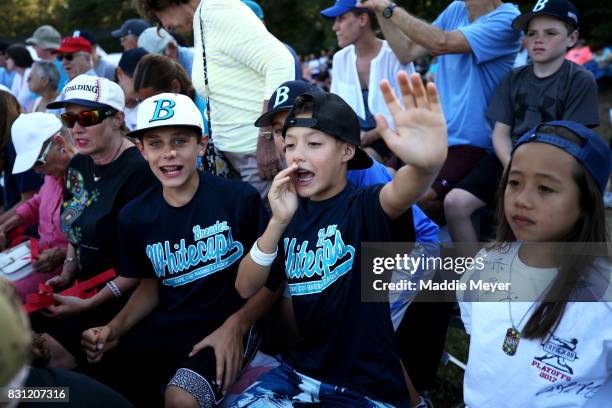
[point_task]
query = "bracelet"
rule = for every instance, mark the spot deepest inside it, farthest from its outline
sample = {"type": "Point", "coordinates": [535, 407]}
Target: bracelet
{"type": "Point", "coordinates": [114, 289]}
{"type": "Point", "coordinates": [68, 259]}
{"type": "Point", "coordinates": [261, 258]}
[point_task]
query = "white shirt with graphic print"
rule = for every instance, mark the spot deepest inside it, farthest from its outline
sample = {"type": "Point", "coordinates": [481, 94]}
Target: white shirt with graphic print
{"type": "Point", "coordinates": [566, 369]}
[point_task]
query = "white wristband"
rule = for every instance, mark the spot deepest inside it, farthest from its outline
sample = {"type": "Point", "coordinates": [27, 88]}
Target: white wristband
{"type": "Point", "coordinates": [261, 258]}
{"type": "Point", "coordinates": [114, 289]}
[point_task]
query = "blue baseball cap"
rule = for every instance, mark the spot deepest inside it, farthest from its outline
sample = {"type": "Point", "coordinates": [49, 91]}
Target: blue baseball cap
{"type": "Point", "coordinates": [594, 155]}
{"type": "Point", "coordinates": [256, 8]}
{"type": "Point", "coordinates": [338, 9]}
{"type": "Point", "coordinates": [282, 100]}
{"type": "Point", "coordinates": [130, 58]}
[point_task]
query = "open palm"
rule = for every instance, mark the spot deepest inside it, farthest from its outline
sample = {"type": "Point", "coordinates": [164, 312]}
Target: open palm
{"type": "Point", "coordinates": [283, 196]}
{"type": "Point", "coordinates": [421, 138]}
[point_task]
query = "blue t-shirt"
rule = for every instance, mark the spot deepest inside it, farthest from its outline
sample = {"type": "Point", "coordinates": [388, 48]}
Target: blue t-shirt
{"type": "Point", "coordinates": [193, 251]}
{"type": "Point", "coordinates": [342, 340]}
{"type": "Point", "coordinates": [466, 81]}
{"type": "Point", "coordinates": [185, 58]}
{"type": "Point", "coordinates": [63, 77]}
{"type": "Point", "coordinates": [6, 78]}
{"type": "Point", "coordinates": [425, 229]}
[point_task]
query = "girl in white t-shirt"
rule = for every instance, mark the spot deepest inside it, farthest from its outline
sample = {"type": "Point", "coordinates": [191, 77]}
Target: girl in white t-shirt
{"type": "Point", "coordinates": [547, 340]}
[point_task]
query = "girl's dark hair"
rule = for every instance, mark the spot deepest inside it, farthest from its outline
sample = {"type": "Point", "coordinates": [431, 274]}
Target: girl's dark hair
{"type": "Point", "coordinates": [147, 8]}
{"type": "Point", "coordinates": [158, 72]}
{"type": "Point", "coordinates": [20, 55]}
{"type": "Point", "coordinates": [374, 26]}
{"type": "Point", "coordinates": [573, 265]}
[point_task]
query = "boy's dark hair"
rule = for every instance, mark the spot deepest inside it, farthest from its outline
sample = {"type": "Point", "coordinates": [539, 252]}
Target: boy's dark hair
{"type": "Point", "coordinates": [358, 11]}
{"type": "Point", "coordinates": [303, 105]}
{"type": "Point", "coordinates": [147, 8]}
{"type": "Point", "coordinates": [591, 227]}
{"type": "Point", "coordinates": [158, 72]}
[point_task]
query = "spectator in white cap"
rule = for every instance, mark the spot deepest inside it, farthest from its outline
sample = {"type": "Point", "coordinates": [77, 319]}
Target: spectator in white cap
{"type": "Point", "coordinates": [107, 173]}
{"type": "Point", "coordinates": [45, 40]}
{"type": "Point", "coordinates": [159, 41]}
{"type": "Point", "coordinates": [197, 319]}
{"type": "Point", "coordinates": [129, 32]}
{"type": "Point", "coordinates": [43, 80]}
{"type": "Point", "coordinates": [40, 145]}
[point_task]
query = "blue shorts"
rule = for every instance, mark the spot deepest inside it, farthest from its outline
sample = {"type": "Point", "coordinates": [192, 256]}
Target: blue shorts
{"type": "Point", "coordinates": [285, 387]}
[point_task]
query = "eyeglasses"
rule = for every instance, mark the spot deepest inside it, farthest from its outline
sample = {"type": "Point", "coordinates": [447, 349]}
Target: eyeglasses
{"type": "Point", "coordinates": [86, 118]}
{"type": "Point", "coordinates": [42, 159]}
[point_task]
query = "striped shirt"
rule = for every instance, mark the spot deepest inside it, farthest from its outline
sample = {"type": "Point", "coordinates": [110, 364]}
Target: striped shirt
{"type": "Point", "coordinates": [245, 64]}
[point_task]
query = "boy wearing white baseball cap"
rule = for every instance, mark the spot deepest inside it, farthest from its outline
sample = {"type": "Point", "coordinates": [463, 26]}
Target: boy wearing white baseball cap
{"type": "Point", "coordinates": [184, 238]}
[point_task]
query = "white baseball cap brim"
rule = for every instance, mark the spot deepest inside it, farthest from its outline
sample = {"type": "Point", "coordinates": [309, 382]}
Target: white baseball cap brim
{"type": "Point", "coordinates": [29, 133]}
{"type": "Point", "coordinates": [165, 110]}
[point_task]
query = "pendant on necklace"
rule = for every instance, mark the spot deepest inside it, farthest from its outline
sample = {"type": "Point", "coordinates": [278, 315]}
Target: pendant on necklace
{"type": "Point", "coordinates": [96, 178]}
{"type": "Point", "coordinates": [511, 341]}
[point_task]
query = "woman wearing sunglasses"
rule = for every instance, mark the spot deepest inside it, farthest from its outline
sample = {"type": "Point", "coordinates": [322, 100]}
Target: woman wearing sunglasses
{"type": "Point", "coordinates": [107, 172]}
{"type": "Point", "coordinates": [39, 144]}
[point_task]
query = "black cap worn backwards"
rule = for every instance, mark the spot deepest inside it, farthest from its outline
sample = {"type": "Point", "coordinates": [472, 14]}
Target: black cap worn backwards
{"type": "Point", "coordinates": [333, 116]}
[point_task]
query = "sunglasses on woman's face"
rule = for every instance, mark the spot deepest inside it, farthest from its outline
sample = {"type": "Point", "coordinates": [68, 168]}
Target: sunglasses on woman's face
{"type": "Point", "coordinates": [42, 159]}
{"type": "Point", "coordinates": [69, 57]}
{"type": "Point", "coordinates": [86, 118]}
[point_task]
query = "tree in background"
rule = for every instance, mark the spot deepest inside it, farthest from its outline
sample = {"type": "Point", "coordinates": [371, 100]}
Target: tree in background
{"type": "Point", "coordinates": [296, 22]}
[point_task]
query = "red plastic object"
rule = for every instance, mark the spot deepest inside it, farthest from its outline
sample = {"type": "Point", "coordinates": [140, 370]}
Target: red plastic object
{"type": "Point", "coordinates": [83, 290]}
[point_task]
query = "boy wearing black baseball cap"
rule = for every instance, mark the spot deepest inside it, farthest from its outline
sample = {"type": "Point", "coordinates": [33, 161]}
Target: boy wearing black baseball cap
{"type": "Point", "coordinates": [346, 353]}
{"type": "Point", "coordinates": [550, 88]}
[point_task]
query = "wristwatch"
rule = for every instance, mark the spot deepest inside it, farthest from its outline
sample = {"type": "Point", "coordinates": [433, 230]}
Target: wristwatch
{"type": "Point", "coordinates": [388, 11]}
{"type": "Point", "coordinates": [267, 135]}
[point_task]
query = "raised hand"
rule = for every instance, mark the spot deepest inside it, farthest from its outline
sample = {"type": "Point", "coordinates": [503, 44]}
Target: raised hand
{"type": "Point", "coordinates": [420, 139]}
{"type": "Point", "coordinates": [283, 196]}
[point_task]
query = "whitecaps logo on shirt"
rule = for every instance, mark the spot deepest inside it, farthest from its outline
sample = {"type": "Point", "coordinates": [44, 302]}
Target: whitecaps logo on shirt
{"type": "Point", "coordinates": [331, 259]}
{"type": "Point", "coordinates": [214, 249]}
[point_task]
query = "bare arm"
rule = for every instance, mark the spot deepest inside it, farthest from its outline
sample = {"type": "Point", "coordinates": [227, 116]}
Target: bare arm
{"type": "Point", "coordinates": [268, 160]}
{"type": "Point", "coordinates": [142, 302]}
{"type": "Point", "coordinates": [423, 36]}
{"type": "Point", "coordinates": [283, 201]}
{"type": "Point", "coordinates": [420, 141]}
{"type": "Point", "coordinates": [502, 142]}
{"type": "Point", "coordinates": [403, 47]}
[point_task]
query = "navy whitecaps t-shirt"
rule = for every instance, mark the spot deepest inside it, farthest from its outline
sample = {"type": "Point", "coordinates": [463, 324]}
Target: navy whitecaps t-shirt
{"type": "Point", "coordinates": [342, 340]}
{"type": "Point", "coordinates": [193, 251]}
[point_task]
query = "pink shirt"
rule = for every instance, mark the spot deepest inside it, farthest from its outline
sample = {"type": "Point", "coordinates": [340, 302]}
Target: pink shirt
{"type": "Point", "coordinates": [44, 209]}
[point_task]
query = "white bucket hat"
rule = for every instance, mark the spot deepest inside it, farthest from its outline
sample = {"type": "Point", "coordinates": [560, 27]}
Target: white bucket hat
{"type": "Point", "coordinates": [29, 133]}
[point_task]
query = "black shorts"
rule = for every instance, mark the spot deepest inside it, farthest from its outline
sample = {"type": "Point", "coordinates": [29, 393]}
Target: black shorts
{"type": "Point", "coordinates": [459, 161]}
{"type": "Point", "coordinates": [152, 356]}
{"type": "Point", "coordinates": [483, 180]}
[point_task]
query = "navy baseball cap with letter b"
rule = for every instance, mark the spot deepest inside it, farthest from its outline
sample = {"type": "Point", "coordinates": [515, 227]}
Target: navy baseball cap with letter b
{"type": "Point", "coordinates": [333, 116]}
{"type": "Point", "coordinates": [282, 100]}
{"type": "Point", "coordinates": [564, 10]}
